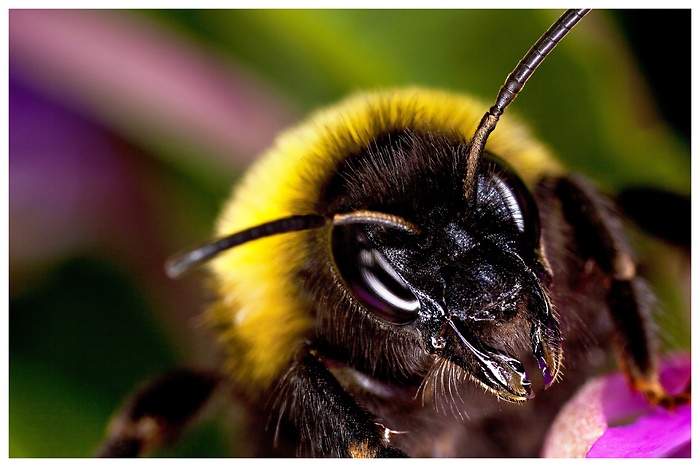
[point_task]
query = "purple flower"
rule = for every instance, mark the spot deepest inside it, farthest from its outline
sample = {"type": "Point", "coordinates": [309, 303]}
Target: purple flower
{"type": "Point", "coordinates": [608, 419]}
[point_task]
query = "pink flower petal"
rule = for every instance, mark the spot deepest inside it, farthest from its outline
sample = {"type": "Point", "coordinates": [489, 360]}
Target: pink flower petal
{"type": "Point", "coordinates": [658, 434]}
{"type": "Point", "coordinates": [608, 419]}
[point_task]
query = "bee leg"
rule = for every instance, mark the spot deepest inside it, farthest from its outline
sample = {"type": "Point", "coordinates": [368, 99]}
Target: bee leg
{"type": "Point", "coordinates": [326, 419]}
{"type": "Point", "coordinates": [156, 414]}
{"type": "Point", "coordinates": [599, 237]}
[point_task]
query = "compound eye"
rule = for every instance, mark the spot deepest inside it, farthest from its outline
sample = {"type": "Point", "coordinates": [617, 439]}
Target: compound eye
{"type": "Point", "coordinates": [371, 277]}
{"type": "Point", "coordinates": [517, 200]}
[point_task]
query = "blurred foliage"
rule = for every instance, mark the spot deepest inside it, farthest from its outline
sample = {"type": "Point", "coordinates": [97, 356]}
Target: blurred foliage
{"type": "Point", "coordinates": [90, 320]}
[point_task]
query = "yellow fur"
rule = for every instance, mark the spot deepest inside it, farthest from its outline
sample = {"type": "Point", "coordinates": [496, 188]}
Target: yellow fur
{"type": "Point", "coordinates": [260, 322]}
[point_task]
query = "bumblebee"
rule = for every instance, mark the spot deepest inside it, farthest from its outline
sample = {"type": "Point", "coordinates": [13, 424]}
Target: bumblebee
{"type": "Point", "coordinates": [400, 276]}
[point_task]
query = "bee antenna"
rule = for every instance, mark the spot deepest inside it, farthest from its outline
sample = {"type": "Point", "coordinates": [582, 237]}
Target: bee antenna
{"type": "Point", "coordinates": [377, 218]}
{"type": "Point", "coordinates": [513, 85]}
{"type": "Point", "coordinates": [185, 261]}
{"type": "Point", "coordinates": [180, 263]}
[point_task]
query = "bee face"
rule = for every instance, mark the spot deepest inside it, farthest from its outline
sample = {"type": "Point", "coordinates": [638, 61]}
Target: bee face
{"type": "Point", "coordinates": [467, 282]}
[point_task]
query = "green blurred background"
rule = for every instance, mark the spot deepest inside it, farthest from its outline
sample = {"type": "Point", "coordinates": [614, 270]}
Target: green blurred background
{"type": "Point", "coordinates": [127, 130]}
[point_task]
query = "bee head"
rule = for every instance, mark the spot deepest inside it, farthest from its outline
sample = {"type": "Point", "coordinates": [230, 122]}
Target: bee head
{"type": "Point", "coordinates": [466, 278]}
